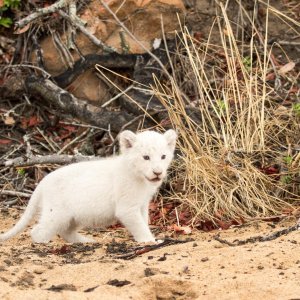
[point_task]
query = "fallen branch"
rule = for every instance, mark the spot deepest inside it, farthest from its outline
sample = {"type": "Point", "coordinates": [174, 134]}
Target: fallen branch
{"type": "Point", "coordinates": [47, 159]}
{"type": "Point", "coordinates": [15, 193]}
{"type": "Point", "coordinates": [109, 60]}
{"type": "Point", "coordinates": [259, 238]}
{"type": "Point", "coordinates": [62, 100]}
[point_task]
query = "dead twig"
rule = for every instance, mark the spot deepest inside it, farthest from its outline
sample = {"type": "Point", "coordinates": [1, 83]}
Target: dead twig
{"type": "Point", "coordinates": [258, 238]}
{"type": "Point", "coordinates": [134, 252]}
{"type": "Point", "coordinates": [47, 75]}
{"type": "Point", "coordinates": [289, 43]}
{"type": "Point", "coordinates": [41, 12]}
{"type": "Point", "coordinates": [62, 49]}
{"type": "Point", "coordinates": [73, 141]}
{"type": "Point", "coordinates": [117, 96]}
{"type": "Point", "coordinates": [90, 36]}
{"type": "Point", "coordinates": [121, 24]}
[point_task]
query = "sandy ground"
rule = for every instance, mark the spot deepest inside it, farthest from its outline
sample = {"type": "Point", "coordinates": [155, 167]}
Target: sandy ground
{"type": "Point", "coordinates": [199, 269]}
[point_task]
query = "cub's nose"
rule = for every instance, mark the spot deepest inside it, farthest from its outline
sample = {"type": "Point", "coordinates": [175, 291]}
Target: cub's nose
{"type": "Point", "coordinates": [157, 173]}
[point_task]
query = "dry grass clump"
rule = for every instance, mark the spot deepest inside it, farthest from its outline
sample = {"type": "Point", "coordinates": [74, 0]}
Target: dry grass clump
{"type": "Point", "coordinates": [240, 159]}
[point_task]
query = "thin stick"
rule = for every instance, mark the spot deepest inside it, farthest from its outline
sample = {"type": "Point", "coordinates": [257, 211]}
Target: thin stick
{"type": "Point", "coordinates": [82, 125]}
{"type": "Point", "coordinates": [73, 141]}
{"type": "Point", "coordinates": [41, 12]}
{"type": "Point", "coordinates": [135, 39]}
{"type": "Point", "coordinates": [48, 75]}
{"type": "Point", "coordinates": [15, 193]}
{"type": "Point", "coordinates": [117, 96]}
{"type": "Point", "coordinates": [259, 238]}
{"type": "Point", "coordinates": [91, 37]}
{"type": "Point", "coordinates": [52, 144]}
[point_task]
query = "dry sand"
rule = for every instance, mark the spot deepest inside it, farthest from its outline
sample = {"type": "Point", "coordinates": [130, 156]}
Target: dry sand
{"type": "Point", "coordinates": [200, 269]}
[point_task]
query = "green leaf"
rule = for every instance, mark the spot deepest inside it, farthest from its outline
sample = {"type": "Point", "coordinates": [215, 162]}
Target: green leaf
{"type": "Point", "coordinates": [21, 171]}
{"type": "Point", "coordinates": [14, 4]}
{"type": "Point", "coordinates": [286, 179]}
{"type": "Point", "coordinates": [5, 22]}
{"type": "Point", "coordinates": [288, 159]}
{"type": "Point", "coordinates": [296, 108]}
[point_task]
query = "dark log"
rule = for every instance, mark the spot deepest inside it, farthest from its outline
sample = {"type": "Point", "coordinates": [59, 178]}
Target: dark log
{"type": "Point", "coordinates": [81, 109]}
{"type": "Point", "coordinates": [110, 61]}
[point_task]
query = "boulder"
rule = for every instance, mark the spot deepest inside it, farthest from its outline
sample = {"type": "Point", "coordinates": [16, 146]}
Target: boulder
{"type": "Point", "coordinates": [141, 17]}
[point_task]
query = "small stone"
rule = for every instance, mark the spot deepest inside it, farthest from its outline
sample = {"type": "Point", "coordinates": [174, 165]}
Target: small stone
{"type": "Point", "coordinates": [185, 269]}
{"type": "Point", "coordinates": [204, 259]}
{"type": "Point", "coordinates": [4, 279]}
{"type": "Point", "coordinates": [38, 271]}
{"type": "Point", "coordinates": [2, 268]}
{"type": "Point", "coordinates": [8, 262]}
{"type": "Point", "coordinates": [163, 258]}
{"type": "Point", "coordinates": [150, 272]}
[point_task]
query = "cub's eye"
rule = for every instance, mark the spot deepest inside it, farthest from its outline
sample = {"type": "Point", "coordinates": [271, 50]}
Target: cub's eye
{"type": "Point", "coordinates": [146, 157]}
{"type": "Point", "coordinates": [163, 156]}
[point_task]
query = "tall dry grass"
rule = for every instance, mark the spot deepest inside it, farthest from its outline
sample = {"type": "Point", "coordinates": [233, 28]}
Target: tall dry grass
{"type": "Point", "coordinates": [238, 161]}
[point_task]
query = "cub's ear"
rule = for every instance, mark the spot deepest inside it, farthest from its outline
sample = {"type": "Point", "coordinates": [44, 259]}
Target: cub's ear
{"type": "Point", "coordinates": [171, 135]}
{"type": "Point", "coordinates": [127, 139]}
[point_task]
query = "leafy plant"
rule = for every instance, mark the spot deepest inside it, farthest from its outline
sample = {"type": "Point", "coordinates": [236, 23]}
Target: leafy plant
{"type": "Point", "coordinates": [21, 171]}
{"type": "Point", "coordinates": [6, 5]}
{"type": "Point", "coordinates": [288, 159]}
{"type": "Point", "coordinates": [247, 62]}
{"type": "Point", "coordinates": [287, 179]}
{"type": "Point", "coordinates": [221, 105]}
{"type": "Point", "coordinates": [5, 22]}
{"type": "Point", "coordinates": [296, 108]}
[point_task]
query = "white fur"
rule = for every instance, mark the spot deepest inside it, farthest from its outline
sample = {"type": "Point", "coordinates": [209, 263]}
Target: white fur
{"type": "Point", "coordinates": [96, 193]}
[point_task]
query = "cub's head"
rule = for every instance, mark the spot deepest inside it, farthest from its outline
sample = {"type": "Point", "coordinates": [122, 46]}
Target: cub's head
{"type": "Point", "coordinates": [148, 153]}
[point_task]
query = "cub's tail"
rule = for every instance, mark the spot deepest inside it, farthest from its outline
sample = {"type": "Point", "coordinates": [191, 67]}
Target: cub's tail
{"type": "Point", "coordinates": [29, 213]}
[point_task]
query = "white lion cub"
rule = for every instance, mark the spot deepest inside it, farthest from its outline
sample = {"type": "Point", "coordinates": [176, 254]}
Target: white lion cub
{"type": "Point", "coordinates": [96, 193]}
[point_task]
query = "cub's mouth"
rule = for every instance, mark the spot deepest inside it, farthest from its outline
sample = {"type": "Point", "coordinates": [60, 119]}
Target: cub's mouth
{"type": "Point", "coordinates": [155, 179]}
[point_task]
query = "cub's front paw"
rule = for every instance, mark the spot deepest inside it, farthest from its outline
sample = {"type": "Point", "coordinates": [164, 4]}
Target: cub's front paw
{"type": "Point", "coordinates": [151, 243]}
{"type": "Point", "coordinates": [158, 241]}
{"type": "Point", "coordinates": [145, 240]}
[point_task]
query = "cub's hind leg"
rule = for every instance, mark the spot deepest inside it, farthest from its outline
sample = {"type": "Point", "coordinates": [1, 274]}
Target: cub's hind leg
{"type": "Point", "coordinates": [69, 234]}
{"type": "Point", "coordinates": [47, 227]}
{"type": "Point", "coordinates": [41, 233]}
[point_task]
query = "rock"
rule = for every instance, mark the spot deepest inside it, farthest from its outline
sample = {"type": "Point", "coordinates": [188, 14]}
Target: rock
{"type": "Point", "coordinates": [151, 271]}
{"type": "Point", "coordinates": [38, 271]}
{"type": "Point", "coordinates": [142, 18]}
{"type": "Point", "coordinates": [88, 86]}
